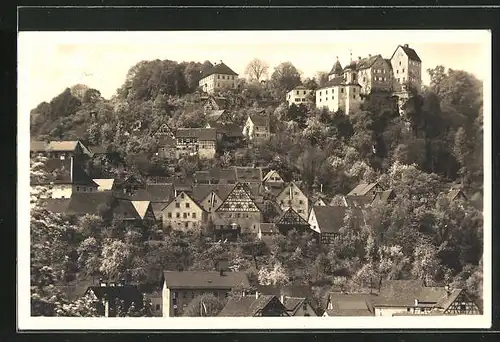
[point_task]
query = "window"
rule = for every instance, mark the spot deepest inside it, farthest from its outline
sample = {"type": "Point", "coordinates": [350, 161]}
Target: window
{"type": "Point", "coordinates": [304, 92]}
{"type": "Point", "coordinates": [193, 215]}
{"type": "Point", "coordinates": [354, 96]}
{"type": "Point", "coordinates": [326, 92]}
{"type": "Point", "coordinates": [218, 76]}
{"type": "Point", "coordinates": [84, 189]}
{"type": "Point", "coordinates": [178, 215]}
{"type": "Point", "coordinates": [399, 62]}
{"type": "Point", "coordinates": [297, 92]}
{"type": "Point", "coordinates": [304, 306]}
{"type": "Point", "coordinates": [353, 90]}
{"type": "Point", "coordinates": [301, 202]}
{"type": "Point", "coordinates": [157, 307]}
{"type": "Point", "coordinates": [407, 309]}
{"type": "Point", "coordinates": [77, 188]}
{"type": "Point", "coordinates": [403, 69]}
{"type": "Point", "coordinates": [320, 92]}
{"type": "Point", "coordinates": [169, 215]}
{"type": "Point", "coordinates": [186, 224]}
{"type": "Point", "coordinates": [397, 71]}
{"type": "Point", "coordinates": [404, 79]}
{"type": "Point", "coordinates": [187, 205]}
{"type": "Point", "coordinates": [332, 97]}
{"type": "Point", "coordinates": [177, 205]}
{"type": "Point", "coordinates": [398, 79]}
{"type": "Point", "coordinates": [185, 215]}
{"type": "Point", "coordinates": [341, 90]}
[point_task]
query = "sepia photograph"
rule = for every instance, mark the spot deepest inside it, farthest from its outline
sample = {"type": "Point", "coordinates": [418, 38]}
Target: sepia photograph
{"type": "Point", "coordinates": [254, 179]}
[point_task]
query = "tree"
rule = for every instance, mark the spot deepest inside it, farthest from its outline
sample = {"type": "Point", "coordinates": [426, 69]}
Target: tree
{"type": "Point", "coordinates": [285, 77]}
{"type": "Point", "coordinates": [275, 275]}
{"type": "Point", "coordinates": [116, 257]}
{"type": "Point", "coordinates": [256, 70]}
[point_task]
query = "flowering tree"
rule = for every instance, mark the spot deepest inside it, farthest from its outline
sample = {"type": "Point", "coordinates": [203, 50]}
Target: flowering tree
{"type": "Point", "coordinates": [275, 275]}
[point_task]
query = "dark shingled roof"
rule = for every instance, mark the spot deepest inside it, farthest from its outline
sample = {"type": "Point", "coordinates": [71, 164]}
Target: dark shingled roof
{"type": "Point", "coordinates": [248, 174]}
{"type": "Point", "coordinates": [362, 189]}
{"type": "Point", "coordinates": [351, 304]}
{"type": "Point", "coordinates": [259, 120]}
{"type": "Point", "coordinates": [294, 291]}
{"type": "Point", "coordinates": [292, 304]}
{"type": "Point", "coordinates": [201, 191]}
{"type": "Point", "coordinates": [215, 115]}
{"type": "Point", "coordinates": [337, 68]}
{"type": "Point", "coordinates": [155, 192]}
{"type": "Point", "coordinates": [412, 54]}
{"type": "Point", "coordinates": [384, 196]}
{"type": "Point", "coordinates": [209, 134]}
{"type": "Point", "coordinates": [80, 203]}
{"type": "Point", "coordinates": [97, 149]}
{"type": "Point", "coordinates": [247, 306]}
{"type": "Point", "coordinates": [367, 62]}
{"type": "Point", "coordinates": [454, 193]}
{"type": "Point", "coordinates": [336, 81]}
{"type": "Point", "coordinates": [331, 218]}
{"type": "Point", "coordinates": [37, 146]}
{"type": "Point", "coordinates": [220, 68]}
{"type": "Point", "coordinates": [404, 292]}
{"type": "Point", "coordinates": [205, 280]}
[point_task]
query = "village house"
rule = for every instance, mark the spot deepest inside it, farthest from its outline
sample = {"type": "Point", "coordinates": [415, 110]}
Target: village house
{"type": "Point", "coordinates": [60, 149]}
{"type": "Point", "coordinates": [183, 213]}
{"type": "Point", "coordinates": [298, 95]}
{"type": "Point", "coordinates": [211, 196]}
{"type": "Point", "coordinates": [267, 230]}
{"type": "Point", "coordinates": [384, 197]}
{"type": "Point", "coordinates": [214, 103]}
{"type": "Point", "coordinates": [254, 306]}
{"type": "Point", "coordinates": [291, 220]}
{"type": "Point", "coordinates": [158, 194]}
{"type": "Point", "coordinates": [181, 287]}
{"type": "Point", "coordinates": [65, 178]}
{"type": "Point", "coordinates": [292, 197]}
{"type": "Point", "coordinates": [199, 142]}
{"type": "Point", "coordinates": [218, 77]}
{"type": "Point", "coordinates": [105, 184]}
{"type": "Point", "coordinates": [219, 116]}
{"type": "Point", "coordinates": [298, 299]}
{"type": "Point", "coordinates": [257, 127]}
{"type": "Point", "coordinates": [327, 221]}
{"type": "Point", "coordinates": [363, 194]}
{"type": "Point", "coordinates": [273, 179]}
{"type": "Point", "coordinates": [113, 297]}
{"type": "Point", "coordinates": [413, 297]}
{"type": "Point", "coordinates": [407, 67]}
{"type": "Point", "coordinates": [240, 208]}
{"type": "Point", "coordinates": [350, 304]}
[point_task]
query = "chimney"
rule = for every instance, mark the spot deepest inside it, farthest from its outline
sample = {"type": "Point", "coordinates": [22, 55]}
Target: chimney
{"type": "Point", "coordinates": [282, 299]}
{"type": "Point", "coordinates": [406, 45]}
{"type": "Point", "coordinates": [256, 294]}
{"type": "Point", "coordinates": [106, 308]}
{"type": "Point", "coordinates": [416, 302]}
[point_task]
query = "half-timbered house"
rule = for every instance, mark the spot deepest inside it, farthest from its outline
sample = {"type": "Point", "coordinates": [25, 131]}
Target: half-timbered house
{"type": "Point", "coordinates": [291, 220]}
{"type": "Point", "coordinates": [293, 197]}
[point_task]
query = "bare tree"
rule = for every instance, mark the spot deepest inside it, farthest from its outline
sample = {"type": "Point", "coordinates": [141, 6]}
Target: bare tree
{"type": "Point", "coordinates": [256, 69]}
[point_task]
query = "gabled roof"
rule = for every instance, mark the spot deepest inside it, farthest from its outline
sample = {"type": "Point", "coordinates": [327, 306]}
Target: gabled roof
{"type": "Point", "coordinates": [38, 146]}
{"type": "Point", "coordinates": [288, 187]}
{"type": "Point", "coordinates": [454, 193]}
{"type": "Point", "coordinates": [351, 304]}
{"type": "Point", "coordinates": [362, 189]}
{"type": "Point", "coordinates": [247, 306]}
{"type": "Point", "coordinates": [105, 183]}
{"type": "Point", "coordinates": [220, 68]}
{"type": "Point", "coordinates": [412, 54]}
{"type": "Point", "coordinates": [230, 130]}
{"type": "Point", "coordinates": [248, 174]}
{"type": "Point", "coordinates": [239, 199]}
{"type": "Point", "coordinates": [127, 293]}
{"type": "Point", "coordinates": [155, 192]}
{"type": "Point", "coordinates": [201, 191]}
{"type": "Point", "coordinates": [388, 61]}
{"type": "Point", "coordinates": [293, 304]}
{"type": "Point", "coordinates": [294, 291]}
{"type": "Point", "coordinates": [62, 146]}
{"type": "Point", "coordinates": [367, 62]}
{"type": "Point", "coordinates": [334, 82]}
{"type": "Point", "coordinates": [331, 218]}
{"type": "Point", "coordinates": [80, 203]}
{"type": "Point", "coordinates": [207, 134]}
{"type": "Point", "coordinates": [384, 196]}
{"type": "Point", "coordinates": [291, 217]}
{"type": "Point", "coordinates": [405, 292]}
{"type": "Point", "coordinates": [97, 149]}
{"type": "Point", "coordinates": [126, 210]}
{"type": "Point", "coordinates": [141, 207]}
{"type": "Point", "coordinates": [215, 115]}
{"type": "Point", "coordinates": [336, 69]}
{"type": "Point", "coordinates": [259, 120]}
{"type": "Point", "coordinates": [205, 280]}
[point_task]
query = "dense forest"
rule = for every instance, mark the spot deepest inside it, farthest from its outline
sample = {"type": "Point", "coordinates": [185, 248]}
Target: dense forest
{"type": "Point", "coordinates": [421, 235]}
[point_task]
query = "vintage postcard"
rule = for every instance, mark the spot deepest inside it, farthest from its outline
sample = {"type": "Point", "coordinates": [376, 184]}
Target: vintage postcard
{"type": "Point", "coordinates": [254, 180]}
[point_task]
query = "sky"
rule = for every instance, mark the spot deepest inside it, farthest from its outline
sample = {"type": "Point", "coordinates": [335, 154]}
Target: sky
{"type": "Point", "coordinates": [48, 62]}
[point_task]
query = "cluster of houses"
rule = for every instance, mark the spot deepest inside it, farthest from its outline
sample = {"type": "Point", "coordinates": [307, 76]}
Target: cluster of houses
{"type": "Point", "coordinates": [347, 85]}
{"type": "Point", "coordinates": [221, 202]}
{"type": "Point", "coordinates": [242, 299]}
